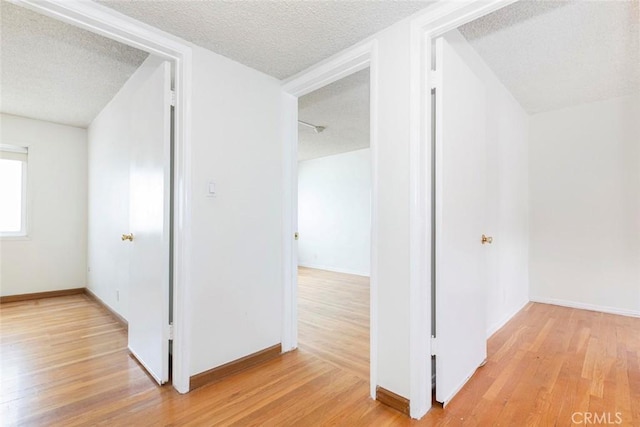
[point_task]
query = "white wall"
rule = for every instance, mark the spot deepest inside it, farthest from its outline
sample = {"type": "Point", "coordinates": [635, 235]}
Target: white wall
{"type": "Point", "coordinates": [53, 256]}
{"type": "Point", "coordinates": [393, 369]}
{"type": "Point", "coordinates": [334, 212]}
{"type": "Point", "coordinates": [236, 255]}
{"type": "Point", "coordinates": [390, 81]}
{"type": "Point", "coordinates": [110, 138]}
{"type": "Point", "coordinates": [585, 204]}
{"type": "Point", "coordinates": [507, 136]}
{"type": "Point", "coordinates": [392, 258]}
{"type": "Point", "coordinates": [235, 264]}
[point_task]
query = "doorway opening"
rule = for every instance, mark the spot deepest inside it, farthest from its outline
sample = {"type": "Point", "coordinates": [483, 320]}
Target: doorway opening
{"type": "Point", "coordinates": [127, 97]}
{"type": "Point", "coordinates": [334, 180]}
{"type": "Point", "coordinates": [528, 115]}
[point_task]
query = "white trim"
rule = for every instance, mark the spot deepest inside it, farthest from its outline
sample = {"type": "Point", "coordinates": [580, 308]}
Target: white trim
{"type": "Point", "coordinates": [341, 65]}
{"type": "Point", "coordinates": [499, 324]}
{"type": "Point", "coordinates": [116, 26]}
{"type": "Point", "coordinates": [25, 206]}
{"type": "Point", "coordinates": [435, 22]}
{"type": "Point", "coordinates": [424, 27]}
{"type": "Point", "coordinates": [345, 63]}
{"type": "Point", "coordinates": [373, 273]}
{"type": "Point", "coordinates": [10, 148]}
{"type": "Point", "coordinates": [419, 232]}
{"type": "Point", "coordinates": [289, 223]}
{"type": "Point", "coordinates": [333, 269]}
{"type": "Point", "coordinates": [586, 306]}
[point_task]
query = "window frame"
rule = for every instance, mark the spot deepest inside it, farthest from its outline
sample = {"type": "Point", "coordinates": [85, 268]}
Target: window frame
{"type": "Point", "coordinates": [23, 233]}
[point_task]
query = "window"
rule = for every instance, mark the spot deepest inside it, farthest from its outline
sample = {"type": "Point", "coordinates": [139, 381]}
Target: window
{"type": "Point", "coordinates": [13, 190]}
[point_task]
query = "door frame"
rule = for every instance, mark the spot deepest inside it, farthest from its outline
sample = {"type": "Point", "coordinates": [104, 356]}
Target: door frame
{"type": "Point", "coordinates": [424, 28]}
{"type": "Point", "coordinates": [361, 56]}
{"type": "Point", "coordinates": [121, 28]}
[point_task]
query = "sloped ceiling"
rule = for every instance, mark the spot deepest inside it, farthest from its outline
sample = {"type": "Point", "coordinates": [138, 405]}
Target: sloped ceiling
{"type": "Point", "coordinates": [548, 54]}
{"type": "Point", "coordinates": [343, 107]}
{"type": "Point", "coordinates": [57, 72]}
{"type": "Point", "coordinates": [555, 54]}
{"type": "Point", "coordinates": [279, 38]}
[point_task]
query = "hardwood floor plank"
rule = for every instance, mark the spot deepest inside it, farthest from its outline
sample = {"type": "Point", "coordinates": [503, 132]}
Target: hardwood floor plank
{"type": "Point", "coordinates": [64, 362]}
{"type": "Point", "coordinates": [333, 311]}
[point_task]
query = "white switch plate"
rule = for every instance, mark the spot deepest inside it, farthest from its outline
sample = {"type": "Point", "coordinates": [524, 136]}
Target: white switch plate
{"type": "Point", "coordinates": [211, 189]}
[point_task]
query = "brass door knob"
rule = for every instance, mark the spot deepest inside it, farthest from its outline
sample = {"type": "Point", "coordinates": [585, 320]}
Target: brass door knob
{"type": "Point", "coordinates": [486, 239]}
{"type": "Point", "coordinates": [128, 237]}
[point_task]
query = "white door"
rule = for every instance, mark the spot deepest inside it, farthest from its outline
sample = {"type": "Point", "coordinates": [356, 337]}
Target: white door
{"type": "Point", "coordinates": [149, 218]}
{"type": "Point", "coordinates": [460, 221]}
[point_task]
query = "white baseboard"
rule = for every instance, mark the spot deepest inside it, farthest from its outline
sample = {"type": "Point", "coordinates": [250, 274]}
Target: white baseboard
{"type": "Point", "coordinates": [334, 269]}
{"type": "Point", "coordinates": [497, 326]}
{"type": "Point", "coordinates": [585, 306]}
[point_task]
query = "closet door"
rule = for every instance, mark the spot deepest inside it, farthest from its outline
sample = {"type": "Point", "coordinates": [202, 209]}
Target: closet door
{"type": "Point", "coordinates": [149, 220]}
{"type": "Point", "coordinates": [460, 223]}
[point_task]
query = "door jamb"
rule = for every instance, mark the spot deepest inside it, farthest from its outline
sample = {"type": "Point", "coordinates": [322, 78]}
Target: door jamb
{"type": "Point", "coordinates": [348, 62]}
{"type": "Point", "coordinates": [425, 27]}
{"type": "Point", "coordinates": [116, 26]}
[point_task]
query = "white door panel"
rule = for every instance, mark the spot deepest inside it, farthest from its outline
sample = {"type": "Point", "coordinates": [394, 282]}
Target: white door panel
{"type": "Point", "coordinates": [460, 223]}
{"type": "Point", "coordinates": [149, 216]}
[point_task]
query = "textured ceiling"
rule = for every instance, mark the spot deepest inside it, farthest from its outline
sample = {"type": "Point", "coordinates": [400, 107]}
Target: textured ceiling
{"type": "Point", "coordinates": [279, 38]}
{"type": "Point", "coordinates": [554, 54]}
{"type": "Point", "coordinates": [343, 107]}
{"type": "Point", "coordinates": [57, 72]}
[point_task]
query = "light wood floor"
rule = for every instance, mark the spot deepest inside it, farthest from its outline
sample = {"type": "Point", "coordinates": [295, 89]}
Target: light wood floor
{"type": "Point", "coordinates": [333, 319]}
{"type": "Point", "coordinates": [64, 362]}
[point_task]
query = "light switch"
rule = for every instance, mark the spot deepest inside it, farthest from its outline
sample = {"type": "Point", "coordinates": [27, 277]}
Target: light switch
{"type": "Point", "coordinates": [211, 189]}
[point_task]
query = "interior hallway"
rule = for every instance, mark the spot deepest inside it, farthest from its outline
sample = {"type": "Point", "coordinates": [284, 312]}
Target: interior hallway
{"type": "Point", "coordinates": [65, 362]}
